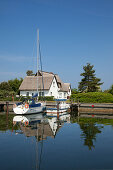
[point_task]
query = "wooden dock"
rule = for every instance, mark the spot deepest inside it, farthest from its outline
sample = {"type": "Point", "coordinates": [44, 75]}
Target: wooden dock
{"type": "Point", "coordinates": [97, 108]}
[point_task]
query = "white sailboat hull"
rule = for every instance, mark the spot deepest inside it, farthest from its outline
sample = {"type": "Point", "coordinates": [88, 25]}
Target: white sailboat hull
{"type": "Point", "coordinates": [63, 108]}
{"type": "Point", "coordinates": [22, 110]}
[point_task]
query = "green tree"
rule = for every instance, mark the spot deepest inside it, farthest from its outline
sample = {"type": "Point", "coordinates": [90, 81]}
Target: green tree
{"type": "Point", "coordinates": [89, 83]}
{"type": "Point", "coordinates": [29, 73]}
{"type": "Point", "coordinates": [75, 91]}
{"type": "Point", "coordinates": [15, 84]}
{"type": "Point", "coordinates": [5, 86]}
{"type": "Point", "coordinates": [111, 90]}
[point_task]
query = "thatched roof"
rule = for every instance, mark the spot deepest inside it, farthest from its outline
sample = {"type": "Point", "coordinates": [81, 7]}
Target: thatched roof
{"type": "Point", "coordinates": [63, 86]}
{"type": "Point", "coordinates": [30, 82]}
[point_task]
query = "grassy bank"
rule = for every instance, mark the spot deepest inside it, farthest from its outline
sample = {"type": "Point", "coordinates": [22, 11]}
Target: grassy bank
{"type": "Point", "coordinates": [93, 97]}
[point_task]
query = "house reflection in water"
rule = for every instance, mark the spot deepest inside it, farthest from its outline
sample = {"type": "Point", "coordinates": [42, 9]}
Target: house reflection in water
{"type": "Point", "coordinates": [40, 126]}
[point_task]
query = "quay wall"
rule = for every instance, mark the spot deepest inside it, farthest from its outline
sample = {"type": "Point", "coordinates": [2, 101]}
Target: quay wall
{"type": "Point", "coordinates": [102, 108]}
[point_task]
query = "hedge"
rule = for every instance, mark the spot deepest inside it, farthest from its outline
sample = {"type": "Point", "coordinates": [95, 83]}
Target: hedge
{"type": "Point", "coordinates": [46, 98]}
{"type": "Point", "coordinates": [93, 97]}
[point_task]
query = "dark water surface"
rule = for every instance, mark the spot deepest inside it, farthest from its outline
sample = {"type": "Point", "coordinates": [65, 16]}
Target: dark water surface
{"type": "Point", "coordinates": [50, 144]}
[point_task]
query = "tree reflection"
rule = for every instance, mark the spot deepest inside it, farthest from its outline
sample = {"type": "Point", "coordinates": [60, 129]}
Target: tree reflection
{"type": "Point", "coordinates": [6, 123]}
{"type": "Point", "coordinates": [89, 132]}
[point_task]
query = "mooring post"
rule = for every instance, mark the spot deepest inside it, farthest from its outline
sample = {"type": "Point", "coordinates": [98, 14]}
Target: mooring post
{"type": "Point", "coordinates": [7, 111]}
{"type": "Point", "coordinates": [71, 106]}
{"type": "Point", "coordinates": [58, 110]}
{"type": "Point", "coordinates": [7, 108]}
{"type": "Point", "coordinates": [78, 108]}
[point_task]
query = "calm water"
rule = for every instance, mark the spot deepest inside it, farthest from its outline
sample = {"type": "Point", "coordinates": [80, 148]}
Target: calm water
{"type": "Point", "coordinates": [50, 144]}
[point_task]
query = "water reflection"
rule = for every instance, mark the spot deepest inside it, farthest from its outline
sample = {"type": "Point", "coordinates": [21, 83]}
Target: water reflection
{"type": "Point", "coordinates": [91, 127]}
{"type": "Point", "coordinates": [79, 145]}
{"type": "Point", "coordinates": [89, 132]}
{"type": "Point", "coordinates": [6, 122]}
{"type": "Point", "coordinates": [39, 125]}
{"type": "Point", "coordinates": [42, 126]}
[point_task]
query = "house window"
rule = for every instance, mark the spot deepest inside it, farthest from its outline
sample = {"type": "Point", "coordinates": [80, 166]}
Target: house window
{"type": "Point", "coordinates": [60, 95]}
{"type": "Point", "coordinates": [51, 93]}
{"type": "Point", "coordinates": [41, 93]}
{"type": "Point", "coordinates": [64, 95]}
{"type": "Point", "coordinates": [53, 84]}
{"type": "Point", "coordinates": [27, 94]}
{"type": "Point", "coordinates": [32, 94]}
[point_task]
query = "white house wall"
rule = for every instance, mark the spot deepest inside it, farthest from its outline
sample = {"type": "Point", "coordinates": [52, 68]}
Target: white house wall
{"type": "Point", "coordinates": [69, 92]}
{"type": "Point", "coordinates": [24, 93]}
{"type": "Point", "coordinates": [31, 93]}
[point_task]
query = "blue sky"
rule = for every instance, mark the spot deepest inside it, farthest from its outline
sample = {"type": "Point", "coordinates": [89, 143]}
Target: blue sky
{"type": "Point", "coordinates": [72, 33]}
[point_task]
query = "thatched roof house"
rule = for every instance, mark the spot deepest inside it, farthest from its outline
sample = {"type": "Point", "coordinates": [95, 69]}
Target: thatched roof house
{"type": "Point", "coordinates": [51, 83]}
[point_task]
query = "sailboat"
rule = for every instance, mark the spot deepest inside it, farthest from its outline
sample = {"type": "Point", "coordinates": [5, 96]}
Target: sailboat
{"type": "Point", "coordinates": [30, 106]}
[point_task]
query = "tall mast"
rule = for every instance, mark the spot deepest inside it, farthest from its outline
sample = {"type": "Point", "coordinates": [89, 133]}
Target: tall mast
{"type": "Point", "coordinates": [37, 55]}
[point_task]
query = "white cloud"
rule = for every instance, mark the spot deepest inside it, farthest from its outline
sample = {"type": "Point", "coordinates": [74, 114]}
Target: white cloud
{"type": "Point", "coordinates": [13, 58]}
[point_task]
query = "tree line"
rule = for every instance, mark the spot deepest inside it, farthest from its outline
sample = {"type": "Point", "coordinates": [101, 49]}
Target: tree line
{"type": "Point", "coordinates": [10, 88]}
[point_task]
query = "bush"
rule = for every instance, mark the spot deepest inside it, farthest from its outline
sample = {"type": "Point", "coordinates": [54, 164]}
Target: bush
{"type": "Point", "coordinates": [74, 91]}
{"type": "Point", "coordinates": [93, 97]}
{"type": "Point", "coordinates": [6, 95]}
{"type": "Point", "coordinates": [46, 98]}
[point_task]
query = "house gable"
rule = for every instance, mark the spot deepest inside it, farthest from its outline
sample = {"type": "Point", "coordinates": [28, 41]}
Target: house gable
{"type": "Point", "coordinates": [53, 91]}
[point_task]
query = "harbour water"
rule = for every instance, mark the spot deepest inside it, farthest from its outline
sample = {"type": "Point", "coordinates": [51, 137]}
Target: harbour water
{"type": "Point", "coordinates": [47, 143]}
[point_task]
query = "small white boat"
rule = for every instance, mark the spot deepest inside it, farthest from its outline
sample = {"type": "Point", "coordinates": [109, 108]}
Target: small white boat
{"type": "Point", "coordinates": [60, 108]}
{"type": "Point", "coordinates": [29, 108]}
